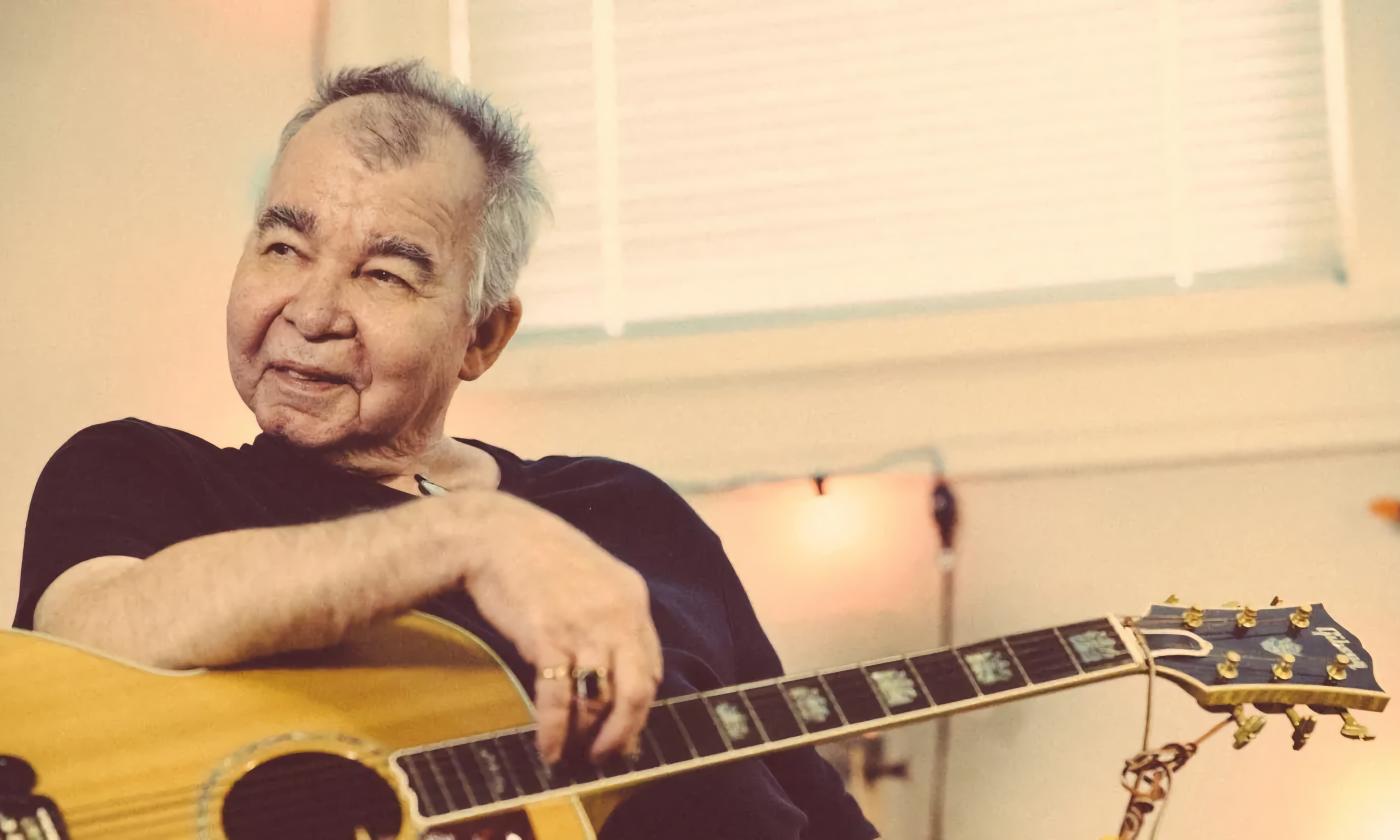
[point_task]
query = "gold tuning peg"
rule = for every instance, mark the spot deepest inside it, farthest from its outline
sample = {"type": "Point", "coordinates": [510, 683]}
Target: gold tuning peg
{"type": "Point", "coordinates": [1303, 726]}
{"type": "Point", "coordinates": [1245, 727]}
{"type": "Point", "coordinates": [1247, 618]}
{"type": "Point", "coordinates": [1229, 667]}
{"type": "Point", "coordinates": [1283, 668]}
{"type": "Point", "coordinates": [1301, 617]}
{"type": "Point", "coordinates": [1353, 729]}
{"type": "Point", "coordinates": [1337, 671]}
{"type": "Point", "coordinates": [1172, 599]}
{"type": "Point", "coordinates": [1192, 617]}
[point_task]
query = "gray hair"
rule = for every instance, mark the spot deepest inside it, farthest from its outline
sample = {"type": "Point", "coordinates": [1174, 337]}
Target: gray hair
{"type": "Point", "coordinates": [514, 200]}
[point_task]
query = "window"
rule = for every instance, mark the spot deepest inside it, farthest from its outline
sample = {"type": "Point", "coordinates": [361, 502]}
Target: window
{"type": "Point", "coordinates": [724, 162]}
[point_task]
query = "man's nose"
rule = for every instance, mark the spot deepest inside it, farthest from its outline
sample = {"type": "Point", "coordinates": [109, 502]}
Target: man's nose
{"type": "Point", "coordinates": [317, 309]}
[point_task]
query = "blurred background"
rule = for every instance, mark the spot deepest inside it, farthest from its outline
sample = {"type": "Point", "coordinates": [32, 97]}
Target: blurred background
{"type": "Point", "coordinates": [1126, 272]}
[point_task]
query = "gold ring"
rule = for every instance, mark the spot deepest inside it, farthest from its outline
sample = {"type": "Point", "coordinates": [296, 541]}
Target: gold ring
{"type": "Point", "coordinates": [556, 672]}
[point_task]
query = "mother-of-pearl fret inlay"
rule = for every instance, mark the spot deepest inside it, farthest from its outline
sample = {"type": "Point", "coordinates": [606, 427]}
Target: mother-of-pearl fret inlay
{"type": "Point", "coordinates": [491, 768]}
{"type": "Point", "coordinates": [809, 702]}
{"type": "Point", "coordinates": [989, 666]}
{"type": "Point", "coordinates": [733, 719]}
{"type": "Point", "coordinates": [895, 686]}
{"type": "Point", "coordinates": [1095, 646]}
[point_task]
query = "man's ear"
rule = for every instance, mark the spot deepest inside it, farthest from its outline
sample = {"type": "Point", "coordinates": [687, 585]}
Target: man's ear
{"type": "Point", "coordinates": [493, 332]}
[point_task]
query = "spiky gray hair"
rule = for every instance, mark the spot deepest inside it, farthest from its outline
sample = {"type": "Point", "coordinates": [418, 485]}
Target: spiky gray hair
{"type": "Point", "coordinates": [395, 131]}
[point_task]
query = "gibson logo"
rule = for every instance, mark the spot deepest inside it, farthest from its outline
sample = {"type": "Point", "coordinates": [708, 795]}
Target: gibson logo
{"type": "Point", "coordinates": [1335, 638]}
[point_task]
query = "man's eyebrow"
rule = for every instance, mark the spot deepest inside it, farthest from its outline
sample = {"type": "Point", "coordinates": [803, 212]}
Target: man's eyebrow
{"type": "Point", "coordinates": [285, 215]}
{"type": "Point", "coordinates": [397, 246]}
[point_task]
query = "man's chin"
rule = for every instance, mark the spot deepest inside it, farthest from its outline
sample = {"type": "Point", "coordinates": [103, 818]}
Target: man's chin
{"type": "Point", "coordinates": [301, 430]}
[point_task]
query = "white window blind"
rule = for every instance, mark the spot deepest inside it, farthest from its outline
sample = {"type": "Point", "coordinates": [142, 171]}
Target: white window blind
{"type": "Point", "coordinates": [721, 160]}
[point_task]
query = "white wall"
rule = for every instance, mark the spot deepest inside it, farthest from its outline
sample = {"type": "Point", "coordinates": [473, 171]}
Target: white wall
{"type": "Point", "coordinates": [1059, 546]}
{"type": "Point", "coordinates": [133, 139]}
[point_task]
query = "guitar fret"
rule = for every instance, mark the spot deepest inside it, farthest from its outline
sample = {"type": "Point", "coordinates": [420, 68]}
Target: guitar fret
{"type": "Point", "coordinates": [518, 764]}
{"type": "Point", "coordinates": [501, 766]}
{"type": "Point", "coordinates": [672, 746]}
{"type": "Point", "coordinates": [648, 755]}
{"type": "Point", "coordinates": [715, 722]}
{"type": "Point", "coordinates": [812, 704]}
{"type": "Point", "coordinates": [1074, 660]}
{"type": "Point", "coordinates": [418, 780]}
{"type": "Point", "coordinates": [493, 769]}
{"type": "Point", "coordinates": [831, 695]}
{"type": "Point", "coordinates": [477, 787]}
{"type": "Point", "coordinates": [736, 719]}
{"type": "Point", "coordinates": [993, 666]}
{"type": "Point", "coordinates": [1042, 656]}
{"type": "Point", "coordinates": [432, 759]}
{"type": "Point", "coordinates": [875, 692]}
{"type": "Point", "coordinates": [753, 716]}
{"type": "Point", "coordinates": [854, 696]}
{"type": "Point", "coordinates": [528, 743]}
{"type": "Point", "coordinates": [1016, 660]}
{"type": "Point", "coordinates": [900, 687]}
{"type": "Point", "coordinates": [773, 712]}
{"type": "Point", "coordinates": [1095, 644]}
{"type": "Point", "coordinates": [700, 729]}
{"type": "Point", "coordinates": [945, 677]}
{"type": "Point", "coordinates": [461, 776]}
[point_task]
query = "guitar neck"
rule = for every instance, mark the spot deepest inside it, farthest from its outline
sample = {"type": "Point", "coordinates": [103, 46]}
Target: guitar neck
{"type": "Point", "coordinates": [501, 770]}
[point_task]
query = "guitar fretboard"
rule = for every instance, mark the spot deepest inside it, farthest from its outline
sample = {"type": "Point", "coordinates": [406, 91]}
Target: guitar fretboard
{"type": "Point", "coordinates": [488, 771]}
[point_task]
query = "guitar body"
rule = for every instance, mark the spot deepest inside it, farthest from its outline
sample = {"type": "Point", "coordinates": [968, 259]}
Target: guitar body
{"type": "Point", "coordinates": [297, 746]}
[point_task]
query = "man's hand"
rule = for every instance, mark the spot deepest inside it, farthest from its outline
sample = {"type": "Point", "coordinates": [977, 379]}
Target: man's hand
{"type": "Point", "coordinates": [567, 604]}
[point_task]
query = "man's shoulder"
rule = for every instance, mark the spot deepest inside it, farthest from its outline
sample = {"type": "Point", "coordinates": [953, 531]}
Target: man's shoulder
{"type": "Point", "coordinates": [594, 472]}
{"type": "Point", "coordinates": [132, 434]}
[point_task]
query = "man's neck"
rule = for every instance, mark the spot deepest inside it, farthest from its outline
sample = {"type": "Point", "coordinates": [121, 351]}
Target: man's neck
{"type": "Point", "coordinates": [447, 462]}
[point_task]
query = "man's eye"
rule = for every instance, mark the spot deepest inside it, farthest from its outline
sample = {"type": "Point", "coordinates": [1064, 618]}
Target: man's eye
{"type": "Point", "coordinates": [281, 249]}
{"type": "Point", "coordinates": [385, 277]}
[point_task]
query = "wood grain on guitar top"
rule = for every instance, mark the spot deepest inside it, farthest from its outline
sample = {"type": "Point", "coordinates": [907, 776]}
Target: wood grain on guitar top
{"type": "Point", "coordinates": [126, 751]}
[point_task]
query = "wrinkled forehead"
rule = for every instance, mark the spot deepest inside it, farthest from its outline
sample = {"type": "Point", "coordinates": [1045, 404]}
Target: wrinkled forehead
{"type": "Point", "coordinates": [368, 155]}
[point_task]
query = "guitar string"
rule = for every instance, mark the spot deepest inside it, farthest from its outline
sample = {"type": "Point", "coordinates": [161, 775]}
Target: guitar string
{"type": "Point", "coordinates": [148, 807]}
{"type": "Point", "coordinates": [90, 815]}
{"type": "Point", "coordinates": [180, 799]}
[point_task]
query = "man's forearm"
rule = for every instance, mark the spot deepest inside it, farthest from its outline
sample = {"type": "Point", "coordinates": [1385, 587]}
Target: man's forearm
{"type": "Point", "coordinates": [229, 597]}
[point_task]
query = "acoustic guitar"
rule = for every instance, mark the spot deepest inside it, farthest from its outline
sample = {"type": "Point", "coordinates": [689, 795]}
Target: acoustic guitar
{"type": "Point", "coordinates": [413, 729]}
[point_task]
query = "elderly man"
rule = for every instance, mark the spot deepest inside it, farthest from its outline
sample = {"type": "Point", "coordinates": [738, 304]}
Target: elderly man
{"type": "Point", "coordinates": [379, 274]}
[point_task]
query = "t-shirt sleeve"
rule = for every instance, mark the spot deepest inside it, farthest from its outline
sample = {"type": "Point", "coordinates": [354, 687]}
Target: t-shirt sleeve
{"type": "Point", "coordinates": [115, 488]}
{"type": "Point", "coordinates": [711, 638]}
{"type": "Point", "coordinates": [810, 782]}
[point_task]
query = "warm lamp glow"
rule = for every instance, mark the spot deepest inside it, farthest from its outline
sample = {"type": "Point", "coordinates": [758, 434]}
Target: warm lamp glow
{"type": "Point", "coordinates": [829, 524]}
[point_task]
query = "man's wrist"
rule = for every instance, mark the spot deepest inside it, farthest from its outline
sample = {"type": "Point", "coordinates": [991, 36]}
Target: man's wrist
{"type": "Point", "coordinates": [462, 528]}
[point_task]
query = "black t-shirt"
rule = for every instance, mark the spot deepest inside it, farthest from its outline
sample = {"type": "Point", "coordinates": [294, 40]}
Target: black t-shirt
{"type": "Point", "coordinates": [133, 488]}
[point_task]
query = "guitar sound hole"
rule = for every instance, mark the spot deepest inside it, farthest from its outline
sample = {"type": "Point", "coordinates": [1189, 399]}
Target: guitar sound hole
{"type": "Point", "coordinates": [311, 796]}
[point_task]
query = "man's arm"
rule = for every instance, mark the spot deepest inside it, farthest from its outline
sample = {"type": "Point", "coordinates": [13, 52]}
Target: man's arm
{"type": "Point", "coordinates": [228, 597]}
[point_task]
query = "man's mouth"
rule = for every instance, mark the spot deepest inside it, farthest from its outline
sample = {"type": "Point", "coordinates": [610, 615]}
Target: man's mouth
{"type": "Point", "coordinates": [304, 373]}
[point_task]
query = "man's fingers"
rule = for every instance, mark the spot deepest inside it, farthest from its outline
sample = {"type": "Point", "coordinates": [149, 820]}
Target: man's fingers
{"type": "Point", "coordinates": [554, 694]}
{"type": "Point", "coordinates": [634, 687]}
{"type": "Point", "coordinates": [593, 688]}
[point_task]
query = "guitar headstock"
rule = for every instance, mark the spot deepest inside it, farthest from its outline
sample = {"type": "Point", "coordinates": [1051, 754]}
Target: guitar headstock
{"type": "Point", "coordinates": [1274, 657]}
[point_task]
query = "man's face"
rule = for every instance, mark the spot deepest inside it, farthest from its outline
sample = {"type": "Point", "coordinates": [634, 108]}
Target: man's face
{"type": "Point", "coordinates": [347, 318]}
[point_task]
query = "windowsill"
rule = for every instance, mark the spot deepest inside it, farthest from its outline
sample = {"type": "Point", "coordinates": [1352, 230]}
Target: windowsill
{"type": "Point", "coordinates": [965, 335]}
